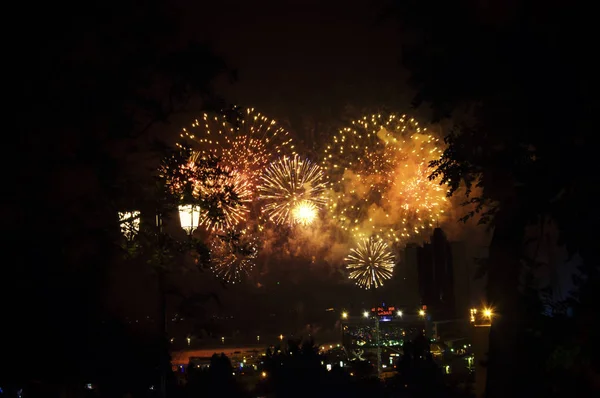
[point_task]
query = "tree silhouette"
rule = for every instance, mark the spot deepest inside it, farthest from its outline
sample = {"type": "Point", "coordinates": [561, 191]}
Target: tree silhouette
{"type": "Point", "coordinates": [521, 141]}
{"type": "Point", "coordinates": [94, 79]}
{"type": "Point", "coordinates": [216, 381]}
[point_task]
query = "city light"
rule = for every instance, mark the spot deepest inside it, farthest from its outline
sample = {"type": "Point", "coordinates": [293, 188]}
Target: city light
{"type": "Point", "coordinates": [399, 313]}
{"type": "Point", "coordinates": [421, 312]}
{"type": "Point", "coordinates": [366, 314]}
{"type": "Point", "coordinates": [264, 374]}
{"type": "Point", "coordinates": [473, 313]}
{"type": "Point", "coordinates": [344, 315]}
{"type": "Point", "coordinates": [280, 337]}
{"type": "Point", "coordinates": [487, 312]}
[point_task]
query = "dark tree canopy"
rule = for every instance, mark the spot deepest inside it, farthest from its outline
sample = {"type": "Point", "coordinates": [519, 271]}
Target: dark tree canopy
{"type": "Point", "coordinates": [522, 94]}
{"type": "Point", "coordinates": [518, 80]}
{"type": "Point", "coordinates": [93, 79]}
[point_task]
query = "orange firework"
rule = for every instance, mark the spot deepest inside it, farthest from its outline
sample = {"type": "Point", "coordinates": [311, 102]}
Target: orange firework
{"type": "Point", "coordinates": [246, 142]}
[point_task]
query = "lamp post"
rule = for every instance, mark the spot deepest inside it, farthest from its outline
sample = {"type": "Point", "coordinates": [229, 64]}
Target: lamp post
{"type": "Point", "coordinates": [481, 321]}
{"type": "Point", "coordinates": [189, 216]}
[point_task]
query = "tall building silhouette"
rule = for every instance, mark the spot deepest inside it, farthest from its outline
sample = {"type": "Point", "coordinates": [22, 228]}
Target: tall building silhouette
{"type": "Point", "coordinates": [437, 274]}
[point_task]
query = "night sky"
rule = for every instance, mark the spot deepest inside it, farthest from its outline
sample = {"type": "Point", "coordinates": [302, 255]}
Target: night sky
{"type": "Point", "coordinates": [305, 64]}
{"type": "Point", "coordinates": [301, 62]}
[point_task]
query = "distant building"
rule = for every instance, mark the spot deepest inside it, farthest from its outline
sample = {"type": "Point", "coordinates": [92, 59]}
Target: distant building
{"type": "Point", "coordinates": [409, 277]}
{"type": "Point", "coordinates": [438, 275]}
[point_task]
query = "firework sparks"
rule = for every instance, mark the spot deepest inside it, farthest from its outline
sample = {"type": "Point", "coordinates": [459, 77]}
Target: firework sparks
{"type": "Point", "coordinates": [370, 263]}
{"type": "Point", "coordinates": [288, 183]}
{"type": "Point", "coordinates": [247, 144]}
{"type": "Point", "coordinates": [304, 213]}
{"type": "Point", "coordinates": [233, 255]}
{"type": "Point", "coordinates": [379, 178]}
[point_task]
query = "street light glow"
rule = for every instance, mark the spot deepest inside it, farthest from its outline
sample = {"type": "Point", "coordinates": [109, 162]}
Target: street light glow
{"type": "Point", "coordinates": [422, 312]}
{"type": "Point", "coordinates": [344, 315]}
{"type": "Point", "coordinates": [399, 313]}
{"type": "Point", "coordinates": [189, 216]}
{"type": "Point", "coordinates": [366, 314]}
{"type": "Point", "coordinates": [487, 312]}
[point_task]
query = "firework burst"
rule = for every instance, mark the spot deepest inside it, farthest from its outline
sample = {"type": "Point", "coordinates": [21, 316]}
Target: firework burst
{"type": "Point", "coordinates": [290, 189]}
{"type": "Point", "coordinates": [379, 182]}
{"type": "Point", "coordinates": [370, 263]}
{"type": "Point", "coordinates": [232, 255]}
{"type": "Point", "coordinates": [304, 212]}
{"type": "Point", "coordinates": [246, 142]}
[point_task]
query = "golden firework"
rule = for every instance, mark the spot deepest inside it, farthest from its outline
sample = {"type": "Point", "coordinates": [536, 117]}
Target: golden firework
{"type": "Point", "coordinates": [370, 263]}
{"type": "Point", "coordinates": [304, 213]}
{"type": "Point", "coordinates": [379, 178]}
{"type": "Point", "coordinates": [288, 183]}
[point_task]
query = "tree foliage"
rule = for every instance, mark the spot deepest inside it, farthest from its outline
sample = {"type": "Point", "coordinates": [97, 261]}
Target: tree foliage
{"type": "Point", "coordinates": [521, 97]}
{"type": "Point", "coordinates": [94, 79]}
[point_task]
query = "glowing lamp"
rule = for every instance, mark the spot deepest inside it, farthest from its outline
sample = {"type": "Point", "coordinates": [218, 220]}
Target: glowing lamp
{"type": "Point", "coordinates": [399, 313]}
{"type": "Point", "coordinates": [344, 315]}
{"type": "Point", "coordinates": [189, 215]}
{"type": "Point", "coordinates": [487, 312]}
{"type": "Point", "coordinates": [421, 312]}
{"type": "Point", "coordinates": [366, 314]}
{"type": "Point", "coordinates": [130, 223]}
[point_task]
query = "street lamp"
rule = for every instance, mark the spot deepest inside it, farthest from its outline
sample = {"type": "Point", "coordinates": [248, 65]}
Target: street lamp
{"type": "Point", "coordinates": [189, 215]}
{"type": "Point", "coordinates": [344, 315]}
{"type": "Point", "coordinates": [399, 313]}
{"type": "Point", "coordinates": [366, 314]}
{"type": "Point", "coordinates": [422, 313]}
{"type": "Point", "coordinates": [130, 223]}
{"type": "Point", "coordinates": [488, 313]}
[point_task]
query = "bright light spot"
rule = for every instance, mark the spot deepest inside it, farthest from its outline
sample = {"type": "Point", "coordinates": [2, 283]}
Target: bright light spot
{"type": "Point", "coordinates": [366, 314]}
{"type": "Point", "coordinates": [304, 213]}
{"type": "Point", "coordinates": [344, 315]}
{"type": "Point", "coordinates": [487, 312]}
{"type": "Point", "coordinates": [264, 374]}
{"type": "Point", "coordinates": [399, 313]}
{"type": "Point", "coordinates": [421, 312]}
